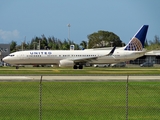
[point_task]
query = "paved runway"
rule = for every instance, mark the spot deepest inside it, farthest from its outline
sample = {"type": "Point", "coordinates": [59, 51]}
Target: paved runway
{"type": "Point", "coordinates": [79, 78]}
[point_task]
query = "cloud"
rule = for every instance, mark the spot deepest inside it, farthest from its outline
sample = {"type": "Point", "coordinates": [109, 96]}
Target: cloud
{"type": "Point", "coordinates": [9, 35]}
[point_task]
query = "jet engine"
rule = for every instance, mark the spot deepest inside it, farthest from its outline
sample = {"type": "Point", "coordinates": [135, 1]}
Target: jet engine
{"type": "Point", "coordinates": [66, 63]}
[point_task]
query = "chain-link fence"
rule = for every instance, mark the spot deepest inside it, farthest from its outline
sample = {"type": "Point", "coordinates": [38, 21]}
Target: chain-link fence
{"type": "Point", "coordinates": [79, 100]}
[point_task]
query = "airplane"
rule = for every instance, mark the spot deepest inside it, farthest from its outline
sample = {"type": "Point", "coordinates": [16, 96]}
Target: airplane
{"type": "Point", "coordinates": [77, 58]}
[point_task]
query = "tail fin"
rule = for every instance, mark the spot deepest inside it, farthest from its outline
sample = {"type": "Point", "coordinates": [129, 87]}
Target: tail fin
{"type": "Point", "coordinates": [138, 40]}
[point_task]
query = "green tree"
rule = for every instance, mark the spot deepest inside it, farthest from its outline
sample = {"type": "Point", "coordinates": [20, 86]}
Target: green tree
{"type": "Point", "coordinates": [103, 39]}
{"type": "Point", "coordinates": [83, 44]}
{"type": "Point", "coordinates": [154, 44]}
{"type": "Point", "coordinates": [76, 47]}
{"type": "Point", "coordinates": [43, 42]}
{"type": "Point", "coordinates": [66, 45]}
{"type": "Point", "coordinates": [34, 42]}
{"type": "Point", "coordinates": [13, 46]}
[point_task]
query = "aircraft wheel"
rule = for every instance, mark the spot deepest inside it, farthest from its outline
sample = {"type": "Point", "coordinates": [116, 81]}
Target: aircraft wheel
{"type": "Point", "coordinates": [80, 66]}
{"type": "Point", "coordinates": [17, 67]}
{"type": "Point", "coordinates": [75, 67]}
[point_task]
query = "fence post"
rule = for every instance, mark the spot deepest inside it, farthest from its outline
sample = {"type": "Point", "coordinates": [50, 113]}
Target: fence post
{"type": "Point", "coordinates": [127, 98]}
{"type": "Point", "coordinates": [40, 99]}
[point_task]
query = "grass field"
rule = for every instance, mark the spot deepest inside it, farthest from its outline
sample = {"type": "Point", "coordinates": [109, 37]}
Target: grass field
{"type": "Point", "coordinates": [86, 70]}
{"type": "Point", "coordinates": [80, 100]}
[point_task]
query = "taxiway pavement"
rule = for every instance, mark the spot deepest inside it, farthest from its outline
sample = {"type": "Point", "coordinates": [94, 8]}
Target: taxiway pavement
{"type": "Point", "coordinates": [79, 78]}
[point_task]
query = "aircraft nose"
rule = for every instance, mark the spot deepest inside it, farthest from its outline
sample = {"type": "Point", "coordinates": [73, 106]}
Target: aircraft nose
{"type": "Point", "coordinates": [5, 59]}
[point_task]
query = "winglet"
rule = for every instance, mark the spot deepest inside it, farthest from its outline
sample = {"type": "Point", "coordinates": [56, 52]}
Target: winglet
{"type": "Point", "coordinates": [112, 51]}
{"type": "Point", "coordinates": [138, 40]}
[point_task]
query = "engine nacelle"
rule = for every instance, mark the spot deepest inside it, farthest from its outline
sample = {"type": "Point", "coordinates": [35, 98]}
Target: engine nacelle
{"type": "Point", "coordinates": [66, 63]}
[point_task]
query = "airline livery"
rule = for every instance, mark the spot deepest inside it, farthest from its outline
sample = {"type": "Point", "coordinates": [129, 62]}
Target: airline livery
{"type": "Point", "coordinates": [77, 58]}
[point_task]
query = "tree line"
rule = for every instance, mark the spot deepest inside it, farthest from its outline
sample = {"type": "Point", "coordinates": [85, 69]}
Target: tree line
{"type": "Point", "coordinates": [95, 40]}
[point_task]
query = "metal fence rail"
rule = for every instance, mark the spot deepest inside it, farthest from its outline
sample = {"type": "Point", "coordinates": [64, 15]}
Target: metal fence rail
{"type": "Point", "coordinates": [98, 100]}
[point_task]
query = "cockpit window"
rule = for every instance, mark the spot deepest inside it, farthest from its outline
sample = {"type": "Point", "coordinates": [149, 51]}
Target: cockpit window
{"type": "Point", "coordinates": [11, 55]}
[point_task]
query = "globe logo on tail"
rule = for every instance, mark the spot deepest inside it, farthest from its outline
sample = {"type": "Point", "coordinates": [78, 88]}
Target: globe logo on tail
{"type": "Point", "coordinates": [134, 45]}
{"type": "Point", "coordinates": [138, 40]}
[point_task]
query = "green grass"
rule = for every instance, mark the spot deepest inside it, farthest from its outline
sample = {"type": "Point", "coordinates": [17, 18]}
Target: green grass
{"type": "Point", "coordinates": [86, 71]}
{"type": "Point", "coordinates": [79, 100]}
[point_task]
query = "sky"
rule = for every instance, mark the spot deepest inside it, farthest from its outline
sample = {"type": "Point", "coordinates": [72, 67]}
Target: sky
{"type": "Point", "coordinates": [22, 20]}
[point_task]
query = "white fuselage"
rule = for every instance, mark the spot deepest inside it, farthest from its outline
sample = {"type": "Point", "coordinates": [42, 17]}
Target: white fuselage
{"type": "Point", "coordinates": [55, 56]}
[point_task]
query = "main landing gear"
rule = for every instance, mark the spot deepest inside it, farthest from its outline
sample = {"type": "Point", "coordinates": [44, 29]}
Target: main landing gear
{"type": "Point", "coordinates": [78, 66]}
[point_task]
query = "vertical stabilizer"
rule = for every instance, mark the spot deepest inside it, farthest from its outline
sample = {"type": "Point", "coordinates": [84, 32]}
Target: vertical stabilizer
{"type": "Point", "coordinates": [138, 40]}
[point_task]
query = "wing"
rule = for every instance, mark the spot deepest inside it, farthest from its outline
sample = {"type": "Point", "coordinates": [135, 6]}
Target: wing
{"type": "Point", "coordinates": [85, 59]}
